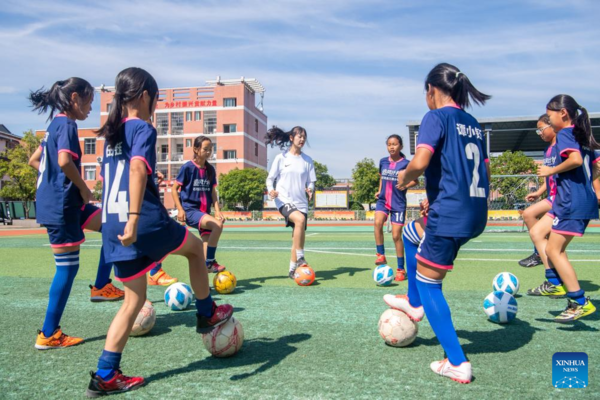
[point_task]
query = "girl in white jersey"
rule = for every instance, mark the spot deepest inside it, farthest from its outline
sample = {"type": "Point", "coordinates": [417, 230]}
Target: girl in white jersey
{"type": "Point", "coordinates": [294, 174]}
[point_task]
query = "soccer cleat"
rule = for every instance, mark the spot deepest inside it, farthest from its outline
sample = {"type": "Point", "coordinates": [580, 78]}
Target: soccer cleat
{"type": "Point", "coordinates": [459, 373]}
{"type": "Point", "coordinates": [400, 302]}
{"type": "Point", "coordinates": [214, 267]}
{"type": "Point", "coordinates": [301, 262]}
{"type": "Point", "coordinates": [58, 340]}
{"type": "Point", "coordinates": [400, 275]}
{"type": "Point", "coordinates": [380, 260]}
{"type": "Point", "coordinates": [548, 289]}
{"type": "Point", "coordinates": [108, 293]}
{"type": "Point", "coordinates": [221, 314]}
{"type": "Point", "coordinates": [531, 261]}
{"type": "Point", "coordinates": [574, 311]}
{"type": "Point", "coordinates": [161, 278]}
{"type": "Point", "coordinates": [292, 273]}
{"type": "Point", "coordinates": [118, 384]}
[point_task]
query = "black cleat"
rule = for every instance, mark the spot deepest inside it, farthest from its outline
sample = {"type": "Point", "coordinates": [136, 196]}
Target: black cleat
{"type": "Point", "coordinates": [531, 261]}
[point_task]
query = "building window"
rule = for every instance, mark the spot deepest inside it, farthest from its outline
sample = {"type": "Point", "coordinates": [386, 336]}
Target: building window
{"type": "Point", "coordinates": [175, 171]}
{"type": "Point", "coordinates": [188, 142]}
{"type": "Point", "coordinates": [213, 156]}
{"type": "Point", "coordinates": [163, 169]}
{"type": "Point", "coordinates": [256, 149]}
{"type": "Point", "coordinates": [108, 107]}
{"type": "Point", "coordinates": [89, 146]}
{"type": "Point", "coordinates": [229, 128]}
{"type": "Point", "coordinates": [229, 154]}
{"type": "Point", "coordinates": [210, 122]}
{"type": "Point", "coordinates": [231, 102]}
{"type": "Point", "coordinates": [256, 125]}
{"type": "Point", "coordinates": [90, 172]}
{"type": "Point", "coordinates": [188, 116]}
{"type": "Point", "coordinates": [177, 123]}
{"type": "Point", "coordinates": [197, 115]}
{"type": "Point", "coordinates": [162, 123]}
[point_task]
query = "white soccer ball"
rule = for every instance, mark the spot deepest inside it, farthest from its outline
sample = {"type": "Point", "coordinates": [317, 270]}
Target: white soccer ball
{"type": "Point", "coordinates": [178, 296]}
{"type": "Point", "coordinates": [383, 275]}
{"type": "Point", "coordinates": [225, 340]}
{"type": "Point", "coordinates": [500, 307]}
{"type": "Point", "coordinates": [145, 320]}
{"type": "Point", "coordinates": [506, 282]}
{"type": "Point", "coordinates": [397, 329]}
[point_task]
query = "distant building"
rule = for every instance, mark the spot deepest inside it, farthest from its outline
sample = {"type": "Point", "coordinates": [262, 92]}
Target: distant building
{"type": "Point", "coordinates": [8, 140]}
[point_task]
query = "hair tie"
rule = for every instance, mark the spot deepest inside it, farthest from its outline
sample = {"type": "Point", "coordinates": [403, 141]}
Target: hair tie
{"type": "Point", "coordinates": [458, 74]}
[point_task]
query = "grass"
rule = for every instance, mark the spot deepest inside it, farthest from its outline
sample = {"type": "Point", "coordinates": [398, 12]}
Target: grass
{"type": "Point", "coordinates": [315, 342]}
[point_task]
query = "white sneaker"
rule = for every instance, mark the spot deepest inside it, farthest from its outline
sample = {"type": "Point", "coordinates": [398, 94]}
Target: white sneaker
{"type": "Point", "coordinates": [461, 373]}
{"type": "Point", "coordinates": [400, 302]}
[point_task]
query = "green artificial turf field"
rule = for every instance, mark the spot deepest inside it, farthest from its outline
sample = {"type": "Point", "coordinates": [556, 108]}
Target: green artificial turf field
{"type": "Point", "coordinates": [315, 342]}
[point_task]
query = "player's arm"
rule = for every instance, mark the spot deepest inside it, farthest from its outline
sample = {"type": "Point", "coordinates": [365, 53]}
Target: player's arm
{"type": "Point", "coordinates": [34, 160]}
{"type": "Point", "coordinates": [412, 184]}
{"type": "Point", "coordinates": [177, 201]}
{"type": "Point", "coordinates": [416, 167]}
{"type": "Point", "coordinates": [65, 162]}
{"type": "Point", "coordinates": [215, 196]}
{"type": "Point", "coordinates": [138, 176]}
{"type": "Point", "coordinates": [273, 174]}
{"type": "Point", "coordinates": [535, 195]}
{"type": "Point", "coordinates": [573, 161]}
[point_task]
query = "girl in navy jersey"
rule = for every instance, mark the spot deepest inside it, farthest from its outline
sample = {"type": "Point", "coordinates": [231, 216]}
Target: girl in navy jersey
{"type": "Point", "coordinates": [295, 175]}
{"type": "Point", "coordinates": [451, 152]}
{"type": "Point", "coordinates": [575, 202]}
{"type": "Point", "coordinates": [391, 201]}
{"type": "Point", "coordinates": [137, 231]}
{"type": "Point", "coordinates": [197, 180]}
{"type": "Point", "coordinates": [62, 198]}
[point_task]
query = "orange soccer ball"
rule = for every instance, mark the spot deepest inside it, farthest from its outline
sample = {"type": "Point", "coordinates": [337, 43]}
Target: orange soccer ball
{"type": "Point", "coordinates": [304, 276]}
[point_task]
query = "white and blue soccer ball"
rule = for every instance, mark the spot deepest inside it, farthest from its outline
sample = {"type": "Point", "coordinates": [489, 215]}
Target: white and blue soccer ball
{"type": "Point", "coordinates": [178, 296]}
{"type": "Point", "coordinates": [506, 282]}
{"type": "Point", "coordinates": [383, 275]}
{"type": "Point", "coordinates": [500, 307]}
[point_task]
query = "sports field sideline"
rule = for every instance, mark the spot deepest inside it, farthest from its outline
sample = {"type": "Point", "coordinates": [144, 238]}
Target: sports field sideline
{"type": "Point", "coordinates": [316, 342]}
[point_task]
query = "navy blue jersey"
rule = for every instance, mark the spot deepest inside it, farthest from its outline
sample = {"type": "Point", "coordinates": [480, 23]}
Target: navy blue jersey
{"type": "Point", "coordinates": [395, 199]}
{"type": "Point", "coordinates": [196, 188]}
{"type": "Point", "coordinates": [57, 197]}
{"type": "Point", "coordinates": [456, 179]}
{"type": "Point", "coordinates": [137, 141]}
{"type": "Point", "coordinates": [575, 195]}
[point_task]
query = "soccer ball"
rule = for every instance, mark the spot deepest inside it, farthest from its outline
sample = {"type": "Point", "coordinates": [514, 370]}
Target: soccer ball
{"type": "Point", "coordinates": [225, 340]}
{"type": "Point", "coordinates": [145, 320]}
{"type": "Point", "coordinates": [500, 307]}
{"type": "Point", "coordinates": [178, 296]}
{"type": "Point", "coordinates": [304, 276]}
{"type": "Point", "coordinates": [224, 282]}
{"type": "Point", "coordinates": [383, 275]}
{"type": "Point", "coordinates": [397, 329]}
{"type": "Point", "coordinates": [506, 282]}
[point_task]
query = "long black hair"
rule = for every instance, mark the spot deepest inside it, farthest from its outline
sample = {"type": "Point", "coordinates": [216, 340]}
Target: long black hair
{"type": "Point", "coordinates": [579, 115]}
{"type": "Point", "coordinates": [399, 139]}
{"type": "Point", "coordinates": [455, 84]}
{"type": "Point", "coordinates": [58, 97]}
{"type": "Point", "coordinates": [278, 137]}
{"type": "Point", "coordinates": [129, 86]}
{"type": "Point", "coordinates": [210, 170]}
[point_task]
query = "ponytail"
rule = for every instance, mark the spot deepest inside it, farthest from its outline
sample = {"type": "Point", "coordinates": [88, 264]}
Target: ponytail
{"type": "Point", "coordinates": [455, 84]}
{"type": "Point", "coordinates": [399, 139]}
{"type": "Point", "coordinates": [58, 97]}
{"type": "Point", "coordinates": [277, 137]}
{"type": "Point", "coordinates": [582, 130]}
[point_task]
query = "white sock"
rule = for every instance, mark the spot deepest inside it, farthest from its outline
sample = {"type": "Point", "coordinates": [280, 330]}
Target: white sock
{"type": "Point", "coordinates": [292, 265]}
{"type": "Point", "coordinates": [300, 254]}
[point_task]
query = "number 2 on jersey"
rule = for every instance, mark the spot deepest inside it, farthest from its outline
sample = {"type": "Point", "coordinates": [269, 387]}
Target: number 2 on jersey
{"type": "Point", "coordinates": [472, 152]}
{"type": "Point", "coordinates": [115, 201]}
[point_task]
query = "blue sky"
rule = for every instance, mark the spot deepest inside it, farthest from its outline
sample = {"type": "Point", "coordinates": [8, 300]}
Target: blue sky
{"type": "Point", "coordinates": [350, 72]}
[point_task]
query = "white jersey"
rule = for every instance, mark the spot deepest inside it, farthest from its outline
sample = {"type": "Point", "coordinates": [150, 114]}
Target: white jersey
{"type": "Point", "coordinates": [294, 174]}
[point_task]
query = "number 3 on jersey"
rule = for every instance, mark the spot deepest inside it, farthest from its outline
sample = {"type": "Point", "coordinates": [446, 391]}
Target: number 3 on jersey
{"type": "Point", "coordinates": [472, 152]}
{"type": "Point", "coordinates": [115, 201]}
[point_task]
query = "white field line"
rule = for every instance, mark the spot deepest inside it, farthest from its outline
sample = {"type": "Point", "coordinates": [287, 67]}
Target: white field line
{"type": "Point", "coordinates": [312, 234]}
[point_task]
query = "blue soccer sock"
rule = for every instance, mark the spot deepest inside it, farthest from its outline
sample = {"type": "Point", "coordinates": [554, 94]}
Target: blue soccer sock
{"type": "Point", "coordinates": [535, 251]}
{"type": "Point", "coordinates": [400, 263]}
{"type": "Point", "coordinates": [103, 274]}
{"type": "Point", "coordinates": [108, 363]}
{"type": "Point", "coordinates": [204, 307]}
{"type": "Point", "coordinates": [380, 249]}
{"type": "Point", "coordinates": [578, 296]}
{"type": "Point", "coordinates": [67, 265]}
{"type": "Point", "coordinates": [411, 244]}
{"type": "Point", "coordinates": [154, 270]}
{"type": "Point", "coordinates": [439, 317]}
{"type": "Point", "coordinates": [553, 277]}
{"type": "Point", "coordinates": [210, 254]}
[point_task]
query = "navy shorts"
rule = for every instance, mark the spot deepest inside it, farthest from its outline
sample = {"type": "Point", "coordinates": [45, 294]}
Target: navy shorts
{"type": "Point", "coordinates": [397, 217]}
{"type": "Point", "coordinates": [87, 214]}
{"type": "Point", "coordinates": [286, 210]}
{"type": "Point", "coordinates": [439, 251]}
{"type": "Point", "coordinates": [155, 247]}
{"type": "Point", "coordinates": [568, 227]}
{"type": "Point", "coordinates": [193, 218]}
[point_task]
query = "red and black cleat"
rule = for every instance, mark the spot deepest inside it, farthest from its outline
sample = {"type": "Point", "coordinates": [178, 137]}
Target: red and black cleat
{"type": "Point", "coordinates": [118, 384]}
{"type": "Point", "coordinates": [221, 314]}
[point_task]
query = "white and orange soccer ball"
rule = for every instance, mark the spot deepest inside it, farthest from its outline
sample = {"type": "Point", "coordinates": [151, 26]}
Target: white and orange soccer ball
{"type": "Point", "coordinates": [145, 320]}
{"type": "Point", "coordinates": [225, 340]}
{"type": "Point", "coordinates": [397, 329]}
{"type": "Point", "coordinates": [224, 282]}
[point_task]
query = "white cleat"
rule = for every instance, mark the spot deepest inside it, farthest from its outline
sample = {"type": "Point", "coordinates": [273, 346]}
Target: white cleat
{"type": "Point", "coordinates": [400, 302]}
{"type": "Point", "coordinates": [460, 374]}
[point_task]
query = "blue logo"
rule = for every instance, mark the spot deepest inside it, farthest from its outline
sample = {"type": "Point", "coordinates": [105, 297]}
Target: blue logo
{"type": "Point", "coordinates": [570, 370]}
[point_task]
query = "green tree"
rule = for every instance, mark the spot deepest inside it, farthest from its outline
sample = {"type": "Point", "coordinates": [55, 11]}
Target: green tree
{"type": "Point", "coordinates": [366, 181]}
{"type": "Point", "coordinates": [324, 180]}
{"type": "Point", "coordinates": [512, 189]}
{"type": "Point", "coordinates": [23, 179]}
{"type": "Point", "coordinates": [97, 192]}
{"type": "Point", "coordinates": [243, 186]}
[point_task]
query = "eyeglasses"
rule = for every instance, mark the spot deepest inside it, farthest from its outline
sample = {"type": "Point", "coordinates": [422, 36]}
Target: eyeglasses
{"type": "Point", "coordinates": [541, 130]}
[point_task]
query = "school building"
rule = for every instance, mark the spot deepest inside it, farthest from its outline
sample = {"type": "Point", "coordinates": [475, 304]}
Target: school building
{"type": "Point", "coordinates": [229, 112]}
{"type": "Point", "coordinates": [8, 140]}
